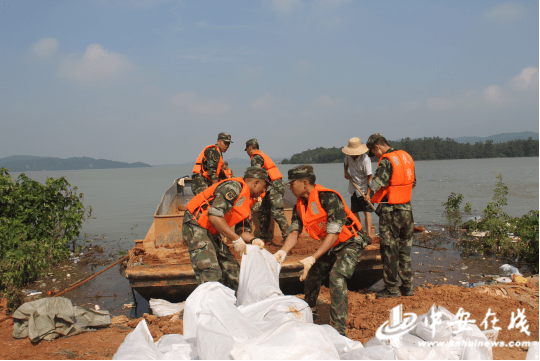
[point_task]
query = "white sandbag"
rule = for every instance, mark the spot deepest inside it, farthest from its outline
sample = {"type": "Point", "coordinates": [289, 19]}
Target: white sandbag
{"type": "Point", "coordinates": [510, 270]}
{"type": "Point", "coordinates": [380, 352]}
{"type": "Point", "coordinates": [412, 340]}
{"type": "Point", "coordinates": [220, 325]}
{"type": "Point", "coordinates": [164, 308]}
{"type": "Point", "coordinates": [138, 345]}
{"type": "Point", "coordinates": [175, 347]}
{"type": "Point", "coordinates": [259, 276]}
{"type": "Point", "coordinates": [408, 352]}
{"type": "Point", "coordinates": [425, 325]}
{"type": "Point", "coordinates": [440, 353]}
{"type": "Point", "coordinates": [503, 279]}
{"type": "Point", "coordinates": [532, 354]}
{"type": "Point", "coordinates": [341, 343]}
{"type": "Point", "coordinates": [196, 302]}
{"type": "Point", "coordinates": [477, 349]}
{"type": "Point", "coordinates": [376, 342]}
{"type": "Point", "coordinates": [276, 310]}
{"type": "Point", "coordinates": [291, 340]}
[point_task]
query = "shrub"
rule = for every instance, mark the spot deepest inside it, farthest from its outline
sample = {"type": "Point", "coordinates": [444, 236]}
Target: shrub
{"type": "Point", "coordinates": [37, 222]}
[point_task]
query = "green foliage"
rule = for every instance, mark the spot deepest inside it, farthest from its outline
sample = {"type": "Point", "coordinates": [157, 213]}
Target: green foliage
{"type": "Point", "coordinates": [452, 205]}
{"type": "Point", "coordinates": [467, 208]}
{"type": "Point", "coordinates": [430, 149]}
{"type": "Point", "coordinates": [37, 224]}
{"type": "Point", "coordinates": [499, 226]}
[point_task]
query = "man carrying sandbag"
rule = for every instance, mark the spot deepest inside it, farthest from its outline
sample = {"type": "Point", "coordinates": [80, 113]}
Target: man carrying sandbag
{"type": "Point", "coordinates": [326, 217]}
{"type": "Point", "coordinates": [213, 212]}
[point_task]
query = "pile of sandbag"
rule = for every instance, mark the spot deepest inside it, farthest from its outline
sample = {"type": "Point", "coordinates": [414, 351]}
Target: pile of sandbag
{"type": "Point", "coordinates": [262, 323]}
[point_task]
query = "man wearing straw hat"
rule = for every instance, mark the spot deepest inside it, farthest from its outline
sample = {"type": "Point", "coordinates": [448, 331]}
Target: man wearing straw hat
{"type": "Point", "coordinates": [358, 171]}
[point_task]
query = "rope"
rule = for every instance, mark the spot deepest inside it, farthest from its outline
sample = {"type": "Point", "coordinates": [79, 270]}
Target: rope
{"type": "Point", "coordinates": [89, 278]}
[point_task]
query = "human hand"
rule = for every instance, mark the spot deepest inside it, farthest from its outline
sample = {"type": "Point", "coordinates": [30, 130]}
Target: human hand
{"type": "Point", "coordinates": [280, 256]}
{"type": "Point", "coordinates": [257, 242]}
{"type": "Point", "coordinates": [240, 246]}
{"type": "Point", "coordinates": [307, 262]}
{"type": "Point", "coordinates": [347, 175]}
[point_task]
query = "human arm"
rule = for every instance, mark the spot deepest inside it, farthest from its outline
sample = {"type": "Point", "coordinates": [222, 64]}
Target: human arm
{"type": "Point", "coordinates": [257, 161]}
{"type": "Point", "coordinates": [346, 168]}
{"type": "Point", "coordinates": [212, 156]}
{"type": "Point", "coordinates": [382, 176]}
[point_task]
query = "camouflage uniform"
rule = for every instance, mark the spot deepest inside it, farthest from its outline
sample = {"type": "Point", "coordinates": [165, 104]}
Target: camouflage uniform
{"type": "Point", "coordinates": [396, 227]}
{"type": "Point", "coordinates": [210, 257]}
{"type": "Point", "coordinates": [210, 164]}
{"type": "Point", "coordinates": [338, 264]}
{"type": "Point", "coordinates": [272, 205]}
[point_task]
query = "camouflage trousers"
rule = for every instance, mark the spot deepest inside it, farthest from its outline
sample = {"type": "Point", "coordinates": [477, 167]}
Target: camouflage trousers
{"type": "Point", "coordinates": [272, 206]}
{"type": "Point", "coordinates": [210, 258]}
{"type": "Point", "coordinates": [199, 184]}
{"type": "Point", "coordinates": [396, 231]}
{"type": "Point", "coordinates": [340, 262]}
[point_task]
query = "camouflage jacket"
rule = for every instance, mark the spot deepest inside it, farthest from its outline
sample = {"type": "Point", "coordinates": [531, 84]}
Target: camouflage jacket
{"type": "Point", "coordinates": [334, 208]}
{"type": "Point", "coordinates": [210, 164]}
{"type": "Point", "coordinates": [226, 194]}
{"type": "Point", "coordinates": [258, 161]}
{"type": "Point", "coordinates": [382, 177]}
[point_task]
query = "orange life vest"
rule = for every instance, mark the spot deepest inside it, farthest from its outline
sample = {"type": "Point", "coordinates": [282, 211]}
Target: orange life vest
{"type": "Point", "coordinates": [198, 163]}
{"type": "Point", "coordinates": [273, 171]}
{"type": "Point", "coordinates": [399, 189]}
{"type": "Point", "coordinates": [202, 201]}
{"type": "Point", "coordinates": [315, 218]}
{"type": "Point", "coordinates": [228, 173]}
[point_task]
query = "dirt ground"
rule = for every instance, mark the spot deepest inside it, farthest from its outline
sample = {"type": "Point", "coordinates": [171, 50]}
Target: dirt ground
{"type": "Point", "coordinates": [366, 314]}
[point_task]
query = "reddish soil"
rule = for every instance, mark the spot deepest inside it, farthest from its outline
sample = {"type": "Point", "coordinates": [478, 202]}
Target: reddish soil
{"type": "Point", "coordinates": [366, 314]}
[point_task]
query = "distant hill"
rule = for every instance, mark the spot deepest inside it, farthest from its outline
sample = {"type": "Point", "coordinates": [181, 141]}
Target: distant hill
{"type": "Point", "coordinates": [523, 144]}
{"type": "Point", "coordinates": [25, 163]}
{"type": "Point", "coordinates": [498, 138]}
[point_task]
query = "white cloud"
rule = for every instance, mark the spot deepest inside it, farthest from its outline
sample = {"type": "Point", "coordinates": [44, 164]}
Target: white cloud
{"type": "Point", "coordinates": [45, 47]}
{"type": "Point", "coordinates": [493, 94]}
{"type": "Point", "coordinates": [526, 80]}
{"type": "Point", "coordinates": [96, 66]}
{"type": "Point", "coordinates": [264, 102]}
{"type": "Point", "coordinates": [286, 7]}
{"type": "Point", "coordinates": [440, 104]}
{"type": "Point", "coordinates": [326, 102]}
{"type": "Point", "coordinates": [190, 100]}
{"type": "Point", "coordinates": [505, 13]}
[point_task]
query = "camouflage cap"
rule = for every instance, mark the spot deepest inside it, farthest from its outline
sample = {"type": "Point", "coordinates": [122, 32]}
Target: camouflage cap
{"type": "Point", "coordinates": [299, 172]}
{"type": "Point", "coordinates": [371, 140]}
{"type": "Point", "coordinates": [252, 141]}
{"type": "Point", "coordinates": [225, 162]}
{"type": "Point", "coordinates": [224, 137]}
{"type": "Point", "coordinates": [257, 172]}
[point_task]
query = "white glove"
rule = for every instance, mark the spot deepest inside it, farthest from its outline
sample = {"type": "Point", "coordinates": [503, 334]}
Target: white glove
{"type": "Point", "coordinates": [240, 246]}
{"type": "Point", "coordinates": [280, 256]}
{"type": "Point", "coordinates": [307, 262]}
{"type": "Point", "coordinates": [257, 242]}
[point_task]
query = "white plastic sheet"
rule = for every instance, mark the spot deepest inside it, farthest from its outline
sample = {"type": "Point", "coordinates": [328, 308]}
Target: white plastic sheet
{"type": "Point", "coordinates": [264, 324]}
{"type": "Point", "coordinates": [164, 308]}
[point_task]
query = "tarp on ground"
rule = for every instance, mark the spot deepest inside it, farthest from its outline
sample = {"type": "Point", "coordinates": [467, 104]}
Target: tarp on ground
{"type": "Point", "coordinates": [49, 318]}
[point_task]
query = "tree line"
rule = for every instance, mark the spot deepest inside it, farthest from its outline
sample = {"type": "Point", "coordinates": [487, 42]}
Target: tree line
{"type": "Point", "coordinates": [430, 149]}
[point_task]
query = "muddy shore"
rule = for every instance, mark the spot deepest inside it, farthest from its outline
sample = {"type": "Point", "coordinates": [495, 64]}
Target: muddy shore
{"type": "Point", "coordinates": [440, 273]}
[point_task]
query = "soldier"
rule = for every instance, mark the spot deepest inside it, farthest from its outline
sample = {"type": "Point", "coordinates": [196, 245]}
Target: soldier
{"type": "Point", "coordinates": [227, 171]}
{"type": "Point", "coordinates": [209, 164]}
{"type": "Point", "coordinates": [272, 202]}
{"type": "Point", "coordinates": [213, 212]}
{"type": "Point", "coordinates": [326, 217]}
{"type": "Point", "coordinates": [392, 185]}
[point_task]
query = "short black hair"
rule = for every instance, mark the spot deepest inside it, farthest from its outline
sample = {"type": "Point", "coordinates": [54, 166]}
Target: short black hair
{"type": "Point", "coordinates": [380, 141]}
{"type": "Point", "coordinates": [311, 179]}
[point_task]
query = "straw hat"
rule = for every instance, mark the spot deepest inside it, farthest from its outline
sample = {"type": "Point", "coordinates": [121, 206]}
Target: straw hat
{"type": "Point", "coordinates": [355, 147]}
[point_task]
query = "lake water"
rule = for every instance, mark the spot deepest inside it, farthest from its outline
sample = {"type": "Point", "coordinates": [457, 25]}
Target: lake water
{"type": "Point", "coordinates": [124, 201]}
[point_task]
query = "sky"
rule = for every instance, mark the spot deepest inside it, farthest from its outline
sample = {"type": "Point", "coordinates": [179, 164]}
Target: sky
{"type": "Point", "coordinates": [155, 81]}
